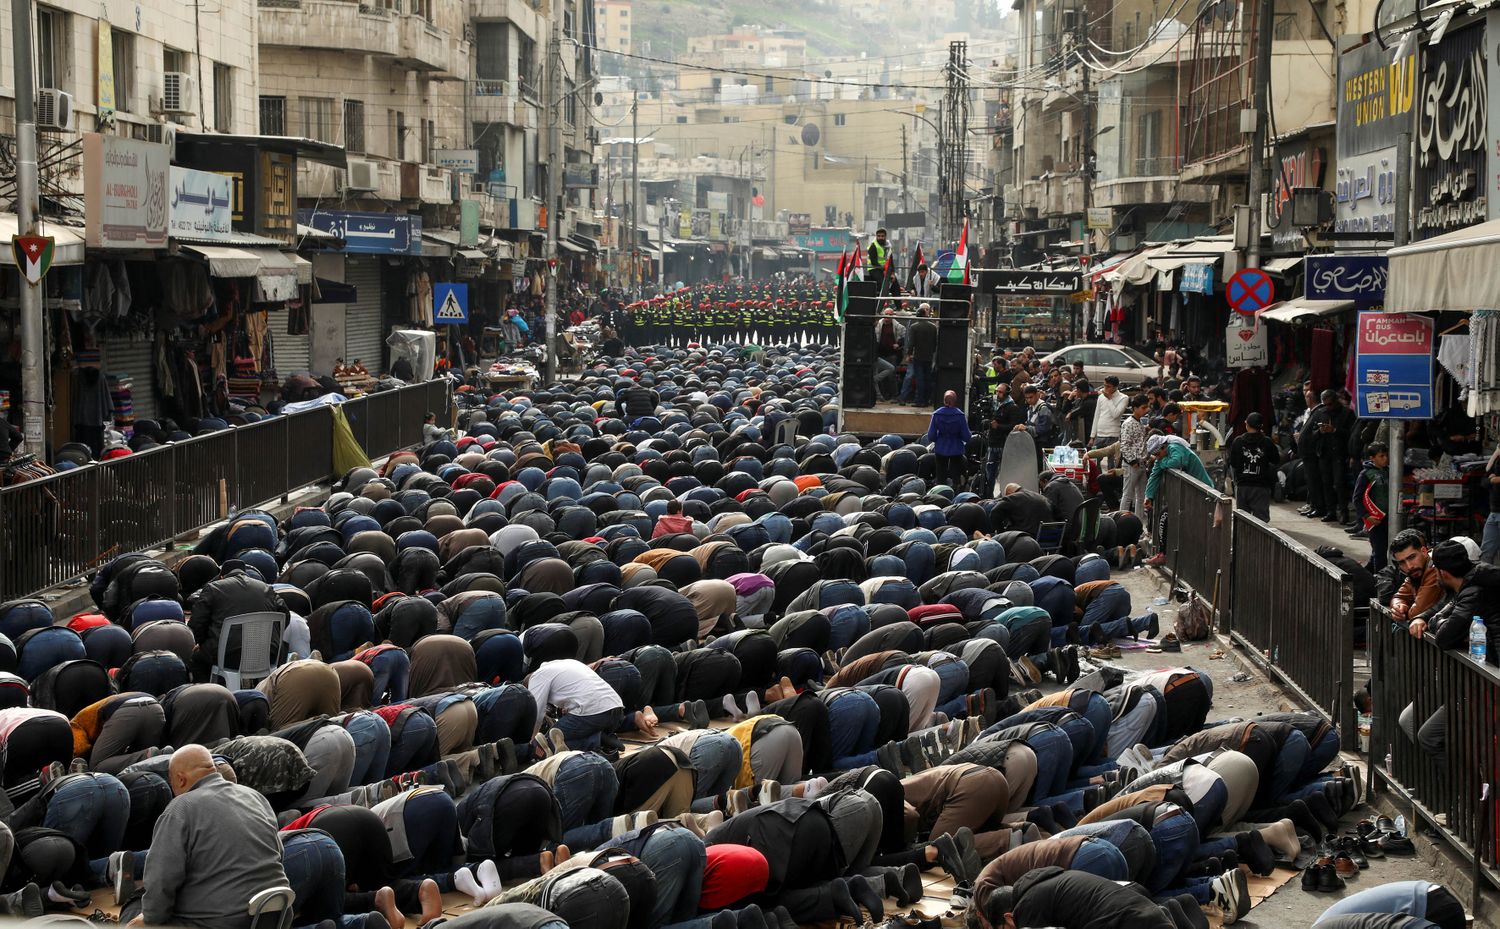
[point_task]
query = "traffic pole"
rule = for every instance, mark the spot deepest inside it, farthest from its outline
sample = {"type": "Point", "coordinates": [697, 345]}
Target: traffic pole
{"type": "Point", "coordinates": [33, 383]}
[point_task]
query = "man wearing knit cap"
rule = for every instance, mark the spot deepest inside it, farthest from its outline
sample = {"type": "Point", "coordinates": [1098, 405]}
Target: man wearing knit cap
{"type": "Point", "coordinates": [1473, 590]}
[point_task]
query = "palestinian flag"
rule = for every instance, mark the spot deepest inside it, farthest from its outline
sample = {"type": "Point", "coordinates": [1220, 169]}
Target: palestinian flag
{"type": "Point", "coordinates": [857, 264]}
{"type": "Point", "coordinates": [958, 272]}
{"type": "Point", "coordinates": [842, 287]}
{"type": "Point", "coordinates": [916, 262]}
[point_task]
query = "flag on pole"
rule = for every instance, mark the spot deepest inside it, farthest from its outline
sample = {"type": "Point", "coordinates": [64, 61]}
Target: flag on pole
{"type": "Point", "coordinates": [916, 262]}
{"type": "Point", "coordinates": [842, 287]}
{"type": "Point", "coordinates": [958, 272]}
{"type": "Point", "coordinates": [857, 264]}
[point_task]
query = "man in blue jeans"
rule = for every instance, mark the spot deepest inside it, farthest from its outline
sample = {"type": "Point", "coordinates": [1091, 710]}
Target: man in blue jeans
{"type": "Point", "coordinates": [583, 705]}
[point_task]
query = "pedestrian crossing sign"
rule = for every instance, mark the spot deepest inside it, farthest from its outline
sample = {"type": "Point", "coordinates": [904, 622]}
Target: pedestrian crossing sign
{"type": "Point", "coordinates": [450, 304]}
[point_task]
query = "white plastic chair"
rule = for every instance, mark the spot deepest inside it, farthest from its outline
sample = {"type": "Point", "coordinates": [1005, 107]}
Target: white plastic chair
{"type": "Point", "coordinates": [272, 908]}
{"type": "Point", "coordinates": [786, 432]}
{"type": "Point", "coordinates": [260, 637]}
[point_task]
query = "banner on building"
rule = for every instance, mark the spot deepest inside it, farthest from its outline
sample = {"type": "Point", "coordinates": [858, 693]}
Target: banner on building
{"type": "Point", "coordinates": [124, 192]}
{"type": "Point", "coordinates": [369, 233]}
{"type": "Point", "coordinates": [1449, 172]}
{"type": "Point", "coordinates": [1377, 92]}
{"type": "Point", "coordinates": [202, 205]}
{"type": "Point", "coordinates": [1360, 278]}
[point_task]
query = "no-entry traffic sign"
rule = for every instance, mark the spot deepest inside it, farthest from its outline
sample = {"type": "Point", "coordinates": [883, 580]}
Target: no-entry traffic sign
{"type": "Point", "coordinates": [1250, 291]}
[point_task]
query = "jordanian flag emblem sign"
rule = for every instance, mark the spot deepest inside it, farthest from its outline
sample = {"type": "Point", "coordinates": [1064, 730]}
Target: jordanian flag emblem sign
{"type": "Point", "coordinates": [33, 254]}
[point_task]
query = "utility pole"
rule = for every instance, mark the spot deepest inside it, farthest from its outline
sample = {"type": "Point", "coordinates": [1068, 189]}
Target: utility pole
{"type": "Point", "coordinates": [1396, 440]}
{"type": "Point", "coordinates": [33, 385]}
{"type": "Point", "coordinates": [554, 196]}
{"type": "Point", "coordinates": [954, 129]}
{"type": "Point", "coordinates": [1088, 156]}
{"type": "Point", "coordinates": [661, 244]}
{"type": "Point", "coordinates": [609, 208]}
{"type": "Point", "coordinates": [1265, 23]}
{"type": "Point", "coordinates": [635, 185]}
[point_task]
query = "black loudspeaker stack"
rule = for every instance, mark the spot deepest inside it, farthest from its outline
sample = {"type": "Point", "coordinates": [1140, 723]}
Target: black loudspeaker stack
{"type": "Point", "coordinates": [859, 345]}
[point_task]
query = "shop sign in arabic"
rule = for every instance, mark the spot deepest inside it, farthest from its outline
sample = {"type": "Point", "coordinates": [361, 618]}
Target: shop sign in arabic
{"type": "Point", "coordinates": [369, 233]}
{"type": "Point", "coordinates": [1452, 135]}
{"type": "Point", "coordinates": [202, 207]}
{"type": "Point", "coordinates": [1031, 282]}
{"type": "Point", "coordinates": [1365, 193]}
{"type": "Point", "coordinates": [125, 192]}
{"type": "Point", "coordinates": [1360, 278]}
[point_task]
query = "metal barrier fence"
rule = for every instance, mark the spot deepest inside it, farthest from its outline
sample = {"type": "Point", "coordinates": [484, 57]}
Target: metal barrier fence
{"type": "Point", "coordinates": [1443, 768]}
{"type": "Point", "coordinates": [68, 524]}
{"type": "Point", "coordinates": [1197, 538]}
{"type": "Point", "coordinates": [1290, 609]}
{"type": "Point", "coordinates": [1293, 612]}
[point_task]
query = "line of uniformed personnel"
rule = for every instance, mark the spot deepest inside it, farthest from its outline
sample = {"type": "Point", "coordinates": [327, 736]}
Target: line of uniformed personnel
{"type": "Point", "coordinates": [767, 312]}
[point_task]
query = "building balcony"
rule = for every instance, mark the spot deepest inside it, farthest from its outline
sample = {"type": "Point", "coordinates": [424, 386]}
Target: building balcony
{"type": "Point", "coordinates": [520, 12]}
{"type": "Point", "coordinates": [1151, 181]}
{"type": "Point", "coordinates": [329, 25]}
{"type": "Point", "coordinates": [495, 102]}
{"type": "Point", "coordinates": [430, 50]}
{"type": "Point", "coordinates": [1061, 195]}
{"type": "Point", "coordinates": [426, 183]}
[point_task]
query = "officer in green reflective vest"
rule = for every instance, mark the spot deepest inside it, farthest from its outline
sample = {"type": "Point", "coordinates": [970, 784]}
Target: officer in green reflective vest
{"type": "Point", "coordinates": [880, 252]}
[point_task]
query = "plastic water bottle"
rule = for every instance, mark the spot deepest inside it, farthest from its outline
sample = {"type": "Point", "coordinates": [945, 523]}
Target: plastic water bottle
{"type": "Point", "coordinates": [1479, 644]}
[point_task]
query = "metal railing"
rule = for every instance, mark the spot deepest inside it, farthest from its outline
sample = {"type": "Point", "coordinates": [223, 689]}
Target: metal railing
{"type": "Point", "coordinates": [1198, 536]}
{"type": "Point", "coordinates": [65, 525]}
{"type": "Point", "coordinates": [1443, 768]}
{"type": "Point", "coordinates": [1293, 612]}
{"type": "Point", "coordinates": [1289, 609]}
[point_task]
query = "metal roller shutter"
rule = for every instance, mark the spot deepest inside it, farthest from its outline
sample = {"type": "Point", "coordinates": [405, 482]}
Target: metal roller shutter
{"type": "Point", "coordinates": [364, 320]}
{"type": "Point", "coordinates": [290, 352]}
{"type": "Point", "coordinates": [133, 358]}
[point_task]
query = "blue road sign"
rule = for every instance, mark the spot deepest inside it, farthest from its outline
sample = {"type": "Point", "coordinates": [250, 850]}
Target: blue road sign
{"type": "Point", "coordinates": [450, 304]}
{"type": "Point", "coordinates": [1393, 366]}
{"type": "Point", "coordinates": [1250, 291]}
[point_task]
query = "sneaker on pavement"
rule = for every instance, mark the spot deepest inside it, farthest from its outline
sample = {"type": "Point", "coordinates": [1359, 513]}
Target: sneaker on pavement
{"type": "Point", "coordinates": [1231, 893]}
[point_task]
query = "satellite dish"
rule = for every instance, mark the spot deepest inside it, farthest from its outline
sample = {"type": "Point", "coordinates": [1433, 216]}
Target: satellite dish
{"type": "Point", "coordinates": [811, 134]}
{"type": "Point", "coordinates": [598, 98]}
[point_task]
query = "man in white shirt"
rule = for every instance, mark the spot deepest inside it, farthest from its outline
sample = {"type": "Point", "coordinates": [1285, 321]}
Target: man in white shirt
{"type": "Point", "coordinates": [1109, 410]}
{"type": "Point", "coordinates": [583, 706]}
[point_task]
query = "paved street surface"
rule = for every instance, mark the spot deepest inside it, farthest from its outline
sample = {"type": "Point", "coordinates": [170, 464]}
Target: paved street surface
{"type": "Point", "coordinates": [1290, 907]}
{"type": "Point", "coordinates": [1314, 533]}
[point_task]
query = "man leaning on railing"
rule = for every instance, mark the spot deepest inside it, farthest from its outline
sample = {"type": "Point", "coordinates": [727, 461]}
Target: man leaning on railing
{"type": "Point", "coordinates": [1472, 591]}
{"type": "Point", "coordinates": [1469, 590]}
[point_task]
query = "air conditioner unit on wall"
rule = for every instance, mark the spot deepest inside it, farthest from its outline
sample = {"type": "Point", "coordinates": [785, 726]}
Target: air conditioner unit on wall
{"type": "Point", "coordinates": [360, 175]}
{"type": "Point", "coordinates": [54, 110]}
{"type": "Point", "coordinates": [165, 133]}
{"type": "Point", "coordinates": [177, 92]}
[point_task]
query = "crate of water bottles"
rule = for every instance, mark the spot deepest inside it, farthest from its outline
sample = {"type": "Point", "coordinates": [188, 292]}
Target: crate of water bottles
{"type": "Point", "coordinates": [1067, 461]}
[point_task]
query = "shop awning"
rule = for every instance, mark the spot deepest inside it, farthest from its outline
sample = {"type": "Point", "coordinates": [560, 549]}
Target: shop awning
{"type": "Point", "coordinates": [575, 249]}
{"type": "Point", "coordinates": [1303, 309]}
{"type": "Point", "coordinates": [472, 254]}
{"type": "Point", "coordinates": [68, 247]}
{"type": "Point", "coordinates": [224, 261]}
{"type": "Point", "coordinates": [770, 254]}
{"type": "Point", "coordinates": [589, 243]}
{"type": "Point", "coordinates": [1205, 251]}
{"type": "Point", "coordinates": [278, 275]}
{"type": "Point", "coordinates": [1452, 272]}
{"type": "Point", "coordinates": [1282, 265]}
{"type": "Point", "coordinates": [336, 292]}
{"type": "Point", "coordinates": [1135, 270]}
